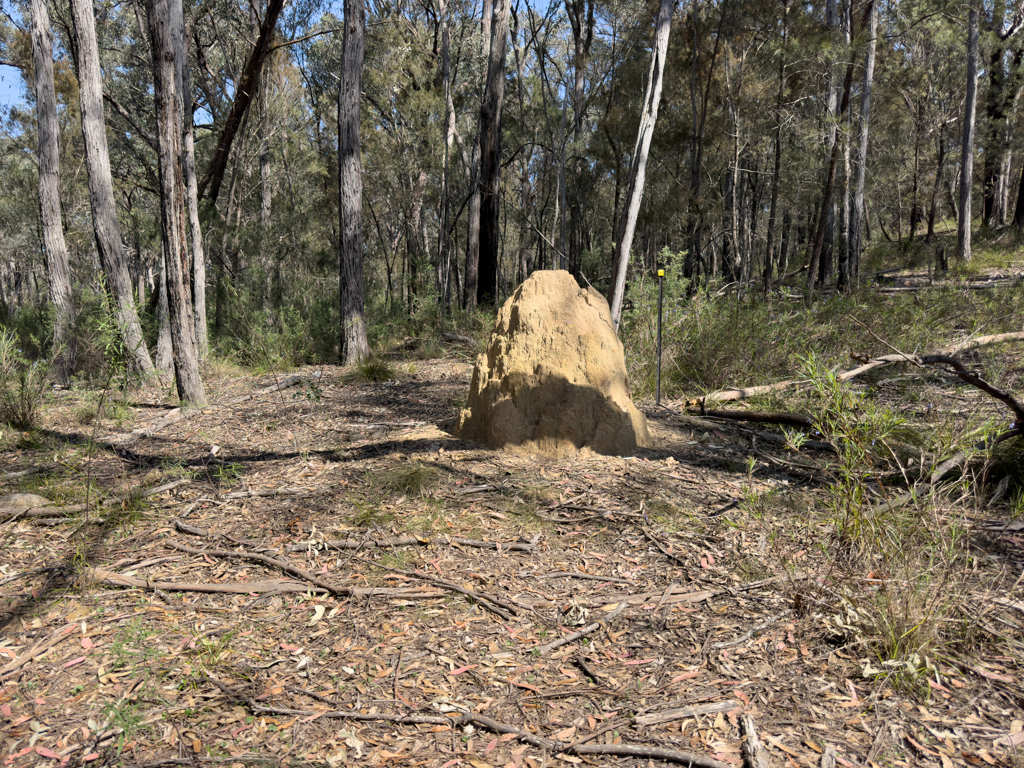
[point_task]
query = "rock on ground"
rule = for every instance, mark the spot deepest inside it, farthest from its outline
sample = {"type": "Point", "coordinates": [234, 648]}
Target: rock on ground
{"type": "Point", "coordinates": [553, 378]}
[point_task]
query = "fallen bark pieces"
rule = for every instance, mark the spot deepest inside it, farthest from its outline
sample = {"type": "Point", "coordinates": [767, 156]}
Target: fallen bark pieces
{"type": "Point", "coordinates": [681, 713]}
{"type": "Point", "coordinates": [753, 749]}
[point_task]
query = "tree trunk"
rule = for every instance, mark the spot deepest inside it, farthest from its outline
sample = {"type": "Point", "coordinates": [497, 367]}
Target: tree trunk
{"type": "Point", "coordinates": [443, 249]}
{"type": "Point", "coordinates": [55, 249]}
{"type": "Point", "coordinates": [963, 231]}
{"type": "Point", "coordinates": [192, 192]}
{"type": "Point", "coordinates": [773, 210]}
{"type": "Point", "coordinates": [857, 221]}
{"type": "Point", "coordinates": [826, 211]}
{"type": "Point", "coordinates": [638, 167]}
{"type": "Point", "coordinates": [244, 91]}
{"type": "Point", "coordinates": [472, 281]}
{"type": "Point", "coordinates": [164, 347]}
{"type": "Point", "coordinates": [101, 189]}
{"type": "Point", "coordinates": [167, 32]}
{"type": "Point", "coordinates": [940, 164]}
{"type": "Point", "coordinates": [354, 347]}
{"type": "Point", "coordinates": [490, 157]}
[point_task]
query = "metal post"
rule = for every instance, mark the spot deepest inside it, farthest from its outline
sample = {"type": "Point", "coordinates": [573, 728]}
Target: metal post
{"type": "Point", "coordinates": [661, 297]}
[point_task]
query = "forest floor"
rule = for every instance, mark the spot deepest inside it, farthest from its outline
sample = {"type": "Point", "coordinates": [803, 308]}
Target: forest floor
{"type": "Point", "coordinates": [166, 630]}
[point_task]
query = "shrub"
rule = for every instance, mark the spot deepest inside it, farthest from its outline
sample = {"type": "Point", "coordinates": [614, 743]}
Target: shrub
{"type": "Point", "coordinates": [23, 384]}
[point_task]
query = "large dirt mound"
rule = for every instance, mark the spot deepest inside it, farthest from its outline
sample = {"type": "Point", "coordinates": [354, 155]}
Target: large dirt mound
{"type": "Point", "coordinates": [553, 378]}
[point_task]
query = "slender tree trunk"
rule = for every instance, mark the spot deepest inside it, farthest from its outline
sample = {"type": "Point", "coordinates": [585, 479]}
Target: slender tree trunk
{"type": "Point", "coordinates": [192, 199]}
{"type": "Point", "coordinates": [164, 347]}
{"type": "Point", "coordinates": [857, 221]}
{"type": "Point", "coordinates": [55, 249]}
{"type": "Point", "coordinates": [490, 157]}
{"type": "Point", "coordinates": [777, 168]}
{"type": "Point", "coordinates": [940, 165]}
{"type": "Point", "coordinates": [101, 188]}
{"type": "Point", "coordinates": [354, 346]}
{"type": "Point", "coordinates": [443, 249]}
{"type": "Point", "coordinates": [638, 167]}
{"type": "Point", "coordinates": [472, 280]}
{"type": "Point", "coordinates": [963, 232]}
{"type": "Point", "coordinates": [166, 30]}
{"type": "Point", "coordinates": [830, 179]}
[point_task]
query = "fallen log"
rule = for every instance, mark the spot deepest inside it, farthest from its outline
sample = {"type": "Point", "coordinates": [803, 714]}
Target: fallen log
{"type": "Point", "coordinates": [735, 393]}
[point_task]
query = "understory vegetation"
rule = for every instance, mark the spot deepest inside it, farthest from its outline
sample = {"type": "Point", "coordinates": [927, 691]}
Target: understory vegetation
{"type": "Point", "coordinates": [886, 547]}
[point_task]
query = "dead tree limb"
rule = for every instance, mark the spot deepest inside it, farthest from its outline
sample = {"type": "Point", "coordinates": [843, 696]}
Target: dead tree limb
{"type": "Point", "coordinates": [256, 558]}
{"type": "Point", "coordinates": [494, 604]}
{"type": "Point", "coordinates": [760, 417]}
{"type": "Point", "coordinates": [723, 395]}
{"type": "Point", "coordinates": [472, 718]}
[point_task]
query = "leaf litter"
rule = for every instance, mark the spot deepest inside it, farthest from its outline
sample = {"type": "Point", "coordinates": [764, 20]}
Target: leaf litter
{"type": "Point", "coordinates": [337, 580]}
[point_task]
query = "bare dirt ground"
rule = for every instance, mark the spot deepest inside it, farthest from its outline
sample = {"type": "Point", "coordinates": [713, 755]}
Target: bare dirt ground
{"type": "Point", "coordinates": [215, 622]}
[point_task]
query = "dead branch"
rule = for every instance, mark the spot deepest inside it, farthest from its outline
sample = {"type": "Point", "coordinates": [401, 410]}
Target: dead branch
{"type": "Point", "coordinates": [681, 713]}
{"type": "Point", "coordinates": [723, 395]}
{"type": "Point", "coordinates": [491, 603]}
{"type": "Point", "coordinates": [761, 417]}
{"type": "Point", "coordinates": [404, 541]}
{"type": "Point", "coordinates": [974, 380]}
{"type": "Point", "coordinates": [254, 557]}
{"type": "Point", "coordinates": [753, 749]}
{"type": "Point", "coordinates": [272, 586]}
{"type": "Point", "coordinates": [543, 650]}
{"type": "Point", "coordinates": [742, 393]}
{"type": "Point", "coordinates": [652, 753]}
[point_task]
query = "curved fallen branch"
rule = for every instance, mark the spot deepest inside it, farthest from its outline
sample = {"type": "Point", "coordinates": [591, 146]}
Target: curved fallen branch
{"type": "Point", "coordinates": [257, 558]}
{"type": "Point", "coordinates": [472, 718]}
{"type": "Point", "coordinates": [496, 605]}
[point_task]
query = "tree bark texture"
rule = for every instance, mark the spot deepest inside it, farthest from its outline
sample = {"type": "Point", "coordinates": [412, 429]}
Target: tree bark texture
{"type": "Point", "coordinates": [164, 347]}
{"type": "Point", "coordinates": [473, 211]}
{"type": "Point", "coordinates": [55, 249]}
{"type": "Point", "coordinates": [490, 157]}
{"type": "Point", "coordinates": [818, 243]}
{"type": "Point", "coordinates": [638, 168]}
{"type": "Point", "coordinates": [963, 231]}
{"type": "Point", "coordinates": [860, 163]}
{"type": "Point", "coordinates": [769, 255]}
{"type": "Point", "coordinates": [101, 189]}
{"type": "Point", "coordinates": [354, 346]}
{"type": "Point", "coordinates": [192, 190]}
{"type": "Point", "coordinates": [167, 34]}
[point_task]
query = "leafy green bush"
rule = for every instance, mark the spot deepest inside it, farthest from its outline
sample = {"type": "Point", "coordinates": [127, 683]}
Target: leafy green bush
{"type": "Point", "coordinates": [23, 383]}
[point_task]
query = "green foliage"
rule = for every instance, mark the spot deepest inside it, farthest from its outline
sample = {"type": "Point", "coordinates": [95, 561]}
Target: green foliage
{"type": "Point", "coordinates": [903, 562]}
{"type": "Point", "coordinates": [23, 384]}
{"type": "Point", "coordinates": [376, 370]}
{"type": "Point", "coordinates": [713, 341]}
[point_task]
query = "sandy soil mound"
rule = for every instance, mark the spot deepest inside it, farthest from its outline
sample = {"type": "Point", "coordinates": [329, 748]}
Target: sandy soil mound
{"type": "Point", "coordinates": [553, 378]}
